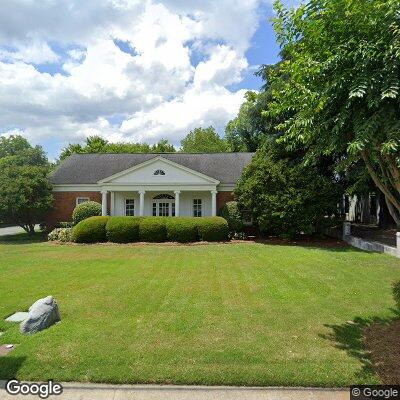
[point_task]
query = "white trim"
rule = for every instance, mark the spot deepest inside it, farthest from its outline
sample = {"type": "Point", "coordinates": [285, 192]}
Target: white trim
{"type": "Point", "coordinates": [153, 160]}
{"type": "Point", "coordinates": [226, 187]}
{"type": "Point", "coordinates": [76, 188]}
{"type": "Point", "coordinates": [156, 188]}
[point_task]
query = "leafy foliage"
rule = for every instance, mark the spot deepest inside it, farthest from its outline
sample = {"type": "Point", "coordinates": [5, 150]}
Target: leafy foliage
{"type": "Point", "coordinates": [153, 229]}
{"type": "Point", "coordinates": [212, 229]}
{"type": "Point", "coordinates": [25, 191]}
{"type": "Point", "coordinates": [90, 230]}
{"type": "Point", "coordinates": [396, 293]}
{"type": "Point", "coordinates": [339, 83]}
{"type": "Point", "coordinates": [203, 140]}
{"type": "Point", "coordinates": [123, 229]}
{"type": "Point", "coordinates": [60, 234]}
{"type": "Point", "coordinates": [182, 229]}
{"type": "Point", "coordinates": [233, 216]}
{"type": "Point", "coordinates": [86, 210]}
{"type": "Point", "coordinates": [96, 144]}
{"type": "Point", "coordinates": [286, 196]}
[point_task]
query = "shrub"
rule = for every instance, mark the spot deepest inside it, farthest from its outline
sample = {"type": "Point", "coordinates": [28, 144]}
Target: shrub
{"type": "Point", "coordinates": [68, 224]}
{"type": "Point", "coordinates": [232, 214]}
{"type": "Point", "coordinates": [123, 229]}
{"type": "Point", "coordinates": [212, 229]}
{"type": "Point", "coordinates": [153, 229]}
{"type": "Point", "coordinates": [86, 210]}
{"type": "Point", "coordinates": [60, 234]}
{"type": "Point", "coordinates": [90, 230]}
{"type": "Point", "coordinates": [182, 229]}
{"type": "Point", "coordinates": [396, 293]}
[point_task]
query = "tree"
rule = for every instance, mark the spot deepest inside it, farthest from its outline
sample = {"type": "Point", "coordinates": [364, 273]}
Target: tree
{"type": "Point", "coordinates": [286, 196]}
{"type": "Point", "coordinates": [340, 81]}
{"type": "Point", "coordinates": [96, 144]}
{"type": "Point", "coordinates": [203, 140]}
{"type": "Point", "coordinates": [25, 190]}
{"type": "Point", "coordinates": [252, 126]}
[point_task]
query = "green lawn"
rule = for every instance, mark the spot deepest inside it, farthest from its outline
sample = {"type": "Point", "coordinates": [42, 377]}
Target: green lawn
{"type": "Point", "coordinates": [236, 314]}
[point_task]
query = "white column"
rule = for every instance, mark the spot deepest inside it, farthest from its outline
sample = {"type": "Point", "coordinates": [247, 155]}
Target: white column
{"type": "Point", "coordinates": [177, 193]}
{"type": "Point", "coordinates": [141, 203]}
{"type": "Point", "coordinates": [112, 203]}
{"type": "Point", "coordinates": [213, 203]}
{"type": "Point", "coordinates": [104, 202]}
{"type": "Point", "coordinates": [398, 243]}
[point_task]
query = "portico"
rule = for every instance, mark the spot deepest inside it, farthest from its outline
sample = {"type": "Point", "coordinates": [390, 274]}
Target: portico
{"type": "Point", "coordinates": [159, 187]}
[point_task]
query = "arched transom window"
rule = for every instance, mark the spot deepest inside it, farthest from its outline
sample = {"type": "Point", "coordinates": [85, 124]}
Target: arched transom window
{"type": "Point", "coordinates": [159, 172]}
{"type": "Point", "coordinates": [163, 196]}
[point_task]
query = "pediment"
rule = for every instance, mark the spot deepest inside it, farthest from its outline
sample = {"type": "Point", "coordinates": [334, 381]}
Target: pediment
{"type": "Point", "coordinates": [159, 171]}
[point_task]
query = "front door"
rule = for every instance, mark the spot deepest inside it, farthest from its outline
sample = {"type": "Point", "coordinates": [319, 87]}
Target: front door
{"type": "Point", "coordinates": [163, 209]}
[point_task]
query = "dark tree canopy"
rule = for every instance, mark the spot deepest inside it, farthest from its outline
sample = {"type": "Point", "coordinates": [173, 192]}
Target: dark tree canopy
{"type": "Point", "coordinates": [25, 191]}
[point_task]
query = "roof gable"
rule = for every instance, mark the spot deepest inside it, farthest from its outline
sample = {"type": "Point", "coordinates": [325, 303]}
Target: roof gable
{"type": "Point", "coordinates": [146, 173]}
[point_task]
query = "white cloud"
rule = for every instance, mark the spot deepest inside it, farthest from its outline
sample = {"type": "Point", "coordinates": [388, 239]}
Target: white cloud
{"type": "Point", "coordinates": [153, 85]}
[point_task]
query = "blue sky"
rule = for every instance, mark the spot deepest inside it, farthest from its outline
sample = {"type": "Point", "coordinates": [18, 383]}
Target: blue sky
{"type": "Point", "coordinates": [128, 70]}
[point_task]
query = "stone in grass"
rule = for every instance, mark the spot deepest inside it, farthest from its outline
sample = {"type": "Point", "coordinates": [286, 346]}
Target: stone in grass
{"type": "Point", "coordinates": [17, 317]}
{"type": "Point", "coordinates": [42, 314]}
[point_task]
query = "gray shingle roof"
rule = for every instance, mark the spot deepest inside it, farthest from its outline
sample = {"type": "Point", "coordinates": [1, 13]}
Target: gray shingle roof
{"type": "Point", "coordinates": [90, 168]}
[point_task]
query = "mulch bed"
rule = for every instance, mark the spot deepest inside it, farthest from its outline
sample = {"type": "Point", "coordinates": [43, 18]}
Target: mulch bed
{"type": "Point", "coordinates": [383, 342]}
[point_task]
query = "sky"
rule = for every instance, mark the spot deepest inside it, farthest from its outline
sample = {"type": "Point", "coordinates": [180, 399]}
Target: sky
{"type": "Point", "coordinates": [128, 70]}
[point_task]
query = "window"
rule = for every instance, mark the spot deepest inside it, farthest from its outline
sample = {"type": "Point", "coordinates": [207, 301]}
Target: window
{"type": "Point", "coordinates": [130, 207]}
{"type": "Point", "coordinates": [197, 208]}
{"type": "Point", "coordinates": [80, 200]}
{"type": "Point", "coordinates": [159, 172]}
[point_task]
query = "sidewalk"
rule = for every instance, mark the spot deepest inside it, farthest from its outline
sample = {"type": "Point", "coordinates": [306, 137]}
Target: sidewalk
{"type": "Point", "coordinates": [90, 391]}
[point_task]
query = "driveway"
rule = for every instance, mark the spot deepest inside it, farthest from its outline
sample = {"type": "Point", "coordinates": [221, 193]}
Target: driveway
{"type": "Point", "coordinates": [13, 230]}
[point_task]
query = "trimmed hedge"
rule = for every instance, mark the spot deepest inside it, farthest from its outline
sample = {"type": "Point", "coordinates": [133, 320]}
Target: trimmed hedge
{"type": "Point", "coordinates": [396, 293]}
{"type": "Point", "coordinates": [150, 229]}
{"type": "Point", "coordinates": [212, 229]}
{"type": "Point", "coordinates": [182, 230]}
{"type": "Point", "coordinates": [123, 229]}
{"type": "Point", "coordinates": [60, 234]}
{"type": "Point", "coordinates": [90, 230]}
{"type": "Point", "coordinates": [86, 210]}
{"type": "Point", "coordinates": [153, 229]}
{"type": "Point", "coordinates": [230, 211]}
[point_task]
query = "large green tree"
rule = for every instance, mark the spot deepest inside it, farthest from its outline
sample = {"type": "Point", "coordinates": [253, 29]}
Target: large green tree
{"type": "Point", "coordinates": [96, 144]}
{"type": "Point", "coordinates": [203, 140]}
{"type": "Point", "coordinates": [340, 82]}
{"type": "Point", "coordinates": [285, 195]}
{"type": "Point", "coordinates": [25, 191]}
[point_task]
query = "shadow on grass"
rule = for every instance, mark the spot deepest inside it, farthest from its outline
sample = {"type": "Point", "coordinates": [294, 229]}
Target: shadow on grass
{"type": "Point", "coordinates": [23, 238]}
{"type": "Point", "coordinates": [9, 366]}
{"type": "Point", "coordinates": [350, 337]}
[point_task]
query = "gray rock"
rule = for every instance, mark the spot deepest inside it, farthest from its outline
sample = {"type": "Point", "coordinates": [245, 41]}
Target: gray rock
{"type": "Point", "coordinates": [42, 314]}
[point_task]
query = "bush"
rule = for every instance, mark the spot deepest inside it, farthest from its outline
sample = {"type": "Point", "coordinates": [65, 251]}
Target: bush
{"type": "Point", "coordinates": [123, 229]}
{"type": "Point", "coordinates": [232, 214]}
{"type": "Point", "coordinates": [68, 224]}
{"type": "Point", "coordinates": [60, 234]}
{"type": "Point", "coordinates": [181, 229]}
{"type": "Point", "coordinates": [153, 229]}
{"type": "Point", "coordinates": [86, 210]}
{"type": "Point", "coordinates": [90, 230]}
{"type": "Point", "coordinates": [396, 293]}
{"type": "Point", "coordinates": [212, 229]}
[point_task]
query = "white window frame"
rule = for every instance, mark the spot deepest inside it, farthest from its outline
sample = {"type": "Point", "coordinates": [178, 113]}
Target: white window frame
{"type": "Point", "coordinates": [134, 206]}
{"type": "Point", "coordinates": [80, 200]}
{"type": "Point", "coordinates": [201, 207]}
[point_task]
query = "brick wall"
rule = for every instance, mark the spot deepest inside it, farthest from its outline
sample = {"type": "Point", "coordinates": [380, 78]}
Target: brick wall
{"type": "Point", "coordinates": [222, 198]}
{"type": "Point", "coordinates": [64, 204]}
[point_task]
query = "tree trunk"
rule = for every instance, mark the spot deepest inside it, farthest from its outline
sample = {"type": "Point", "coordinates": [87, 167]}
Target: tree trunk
{"type": "Point", "coordinates": [391, 200]}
